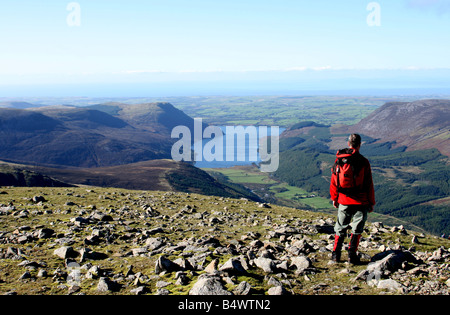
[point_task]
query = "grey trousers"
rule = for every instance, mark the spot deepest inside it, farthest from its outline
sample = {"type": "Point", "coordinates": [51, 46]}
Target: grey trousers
{"type": "Point", "coordinates": [354, 216]}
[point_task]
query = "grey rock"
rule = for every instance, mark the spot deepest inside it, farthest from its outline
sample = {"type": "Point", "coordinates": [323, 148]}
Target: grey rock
{"type": "Point", "coordinates": [100, 216]}
{"type": "Point", "coordinates": [162, 284]}
{"type": "Point", "coordinates": [79, 221]}
{"type": "Point", "coordinates": [37, 199]}
{"type": "Point", "coordinates": [86, 253]}
{"type": "Point", "coordinates": [390, 285]}
{"type": "Point", "coordinates": [65, 252]}
{"type": "Point", "coordinates": [243, 288]}
{"type": "Point", "coordinates": [212, 266]}
{"type": "Point", "coordinates": [266, 264]}
{"type": "Point", "coordinates": [233, 266]}
{"type": "Point", "coordinates": [104, 285]}
{"type": "Point", "coordinates": [439, 254]}
{"type": "Point", "coordinates": [139, 251]}
{"type": "Point", "coordinates": [165, 264]}
{"type": "Point", "coordinates": [25, 275]}
{"type": "Point", "coordinates": [162, 291]}
{"type": "Point", "coordinates": [391, 261]}
{"type": "Point", "coordinates": [139, 290]}
{"type": "Point", "coordinates": [45, 233]}
{"type": "Point", "coordinates": [92, 240]}
{"type": "Point", "coordinates": [42, 273]}
{"type": "Point", "coordinates": [274, 282]}
{"type": "Point", "coordinates": [301, 263]}
{"type": "Point", "coordinates": [154, 243]}
{"type": "Point", "coordinates": [183, 264]}
{"type": "Point", "coordinates": [208, 285]}
{"type": "Point", "coordinates": [278, 290]}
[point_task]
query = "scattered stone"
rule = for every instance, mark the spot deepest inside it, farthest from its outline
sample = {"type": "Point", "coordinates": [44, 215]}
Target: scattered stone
{"type": "Point", "coordinates": [212, 266]}
{"type": "Point", "coordinates": [288, 255]}
{"type": "Point", "coordinates": [65, 252]}
{"type": "Point", "coordinates": [390, 285]}
{"type": "Point", "coordinates": [301, 263]}
{"type": "Point", "coordinates": [25, 275]}
{"type": "Point", "coordinates": [104, 285]}
{"type": "Point", "coordinates": [164, 264]}
{"type": "Point", "coordinates": [279, 290]}
{"type": "Point", "coordinates": [208, 285]}
{"type": "Point", "coordinates": [233, 266]}
{"type": "Point", "coordinates": [243, 288]}
{"type": "Point", "coordinates": [266, 264]}
{"type": "Point", "coordinates": [37, 199]}
{"type": "Point", "coordinates": [439, 254]}
{"type": "Point", "coordinates": [139, 290]}
{"type": "Point", "coordinates": [99, 216]}
{"type": "Point", "coordinates": [45, 233]}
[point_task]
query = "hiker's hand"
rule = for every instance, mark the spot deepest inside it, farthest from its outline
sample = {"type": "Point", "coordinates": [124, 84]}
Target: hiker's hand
{"type": "Point", "coordinates": [371, 208]}
{"type": "Point", "coordinates": [335, 204]}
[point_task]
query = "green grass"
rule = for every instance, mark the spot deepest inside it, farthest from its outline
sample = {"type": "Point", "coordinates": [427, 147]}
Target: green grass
{"type": "Point", "coordinates": [285, 191]}
{"type": "Point", "coordinates": [285, 194]}
{"type": "Point", "coordinates": [242, 217]}
{"type": "Point", "coordinates": [245, 177]}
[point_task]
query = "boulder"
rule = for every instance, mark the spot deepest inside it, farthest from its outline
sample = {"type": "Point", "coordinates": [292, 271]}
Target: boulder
{"type": "Point", "coordinates": [266, 264]}
{"type": "Point", "coordinates": [233, 266]}
{"type": "Point", "coordinates": [165, 264]}
{"type": "Point", "coordinates": [65, 252]}
{"type": "Point", "coordinates": [208, 284]}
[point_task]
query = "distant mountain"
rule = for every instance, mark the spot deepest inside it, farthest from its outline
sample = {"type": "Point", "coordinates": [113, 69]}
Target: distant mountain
{"type": "Point", "coordinates": [157, 117]}
{"type": "Point", "coordinates": [17, 105]}
{"type": "Point", "coordinates": [417, 125]}
{"type": "Point", "coordinates": [102, 135]}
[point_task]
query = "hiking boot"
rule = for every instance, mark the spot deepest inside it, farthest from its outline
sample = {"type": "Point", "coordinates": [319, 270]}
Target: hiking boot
{"type": "Point", "coordinates": [353, 257]}
{"type": "Point", "coordinates": [336, 256]}
{"type": "Point", "coordinates": [337, 248]}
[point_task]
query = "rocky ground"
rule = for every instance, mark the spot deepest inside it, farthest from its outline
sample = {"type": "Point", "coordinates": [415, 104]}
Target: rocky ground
{"type": "Point", "coordinates": [91, 241]}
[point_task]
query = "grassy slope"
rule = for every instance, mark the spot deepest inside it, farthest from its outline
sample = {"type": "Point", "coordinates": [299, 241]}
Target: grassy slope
{"type": "Point", "coordinates": [246, 218]}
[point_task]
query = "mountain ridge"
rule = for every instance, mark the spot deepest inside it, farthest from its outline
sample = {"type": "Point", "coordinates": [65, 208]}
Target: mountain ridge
{"type": "Point", "coordinates": [417, 125]}
{"type": "Point", "coordinates": [116, 134]}
{"type": "Point", "coordinates": [155, 175]}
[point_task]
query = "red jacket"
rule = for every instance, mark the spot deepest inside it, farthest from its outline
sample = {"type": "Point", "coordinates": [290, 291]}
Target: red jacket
{"type": "Point", "coordinates": [366, 196]}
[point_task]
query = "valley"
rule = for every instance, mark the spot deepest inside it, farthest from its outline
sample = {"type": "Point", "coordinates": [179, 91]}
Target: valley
{"type": "Point", "coordinates": [125, 144]}
{"type": "Point", "coordinates": [130, 225]}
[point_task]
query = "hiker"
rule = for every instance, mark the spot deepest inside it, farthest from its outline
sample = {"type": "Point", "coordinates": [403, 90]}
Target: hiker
{"type": "Point", "coordinates": [352, 193]}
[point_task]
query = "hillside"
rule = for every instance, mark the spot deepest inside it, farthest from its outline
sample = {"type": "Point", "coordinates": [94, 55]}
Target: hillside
{"type": "Point", "coordinates": [409, 185]}
{"type": "Point", "coordinates": [86, 137]}
{"type": "Point", "coordinates": [417, 125]}
{"type": "Point", "coordinates": [163, 175]}
{"type": "Point", "coordinates": [99, 241]}
{"type": "Point", "coordinates": [11, 176]}
{"type": "Point", "coordinates": [157, 117]}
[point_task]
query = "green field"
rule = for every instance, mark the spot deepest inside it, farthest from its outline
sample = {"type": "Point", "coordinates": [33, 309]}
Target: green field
{"type": "Point", "coordinates": [285, 191]}
{"type": "Point", "coordinates": [282, 111]}
{"type": "Point", "coordinates": [263, 185]}
{"type": "Point", "coordinates": [245, 176]}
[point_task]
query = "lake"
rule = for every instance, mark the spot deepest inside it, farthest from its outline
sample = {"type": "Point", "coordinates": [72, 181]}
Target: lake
{"type": "Point", "coordinates": [236, 147]}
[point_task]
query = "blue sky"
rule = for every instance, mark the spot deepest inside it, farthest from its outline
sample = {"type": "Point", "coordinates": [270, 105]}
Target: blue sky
{"type": "Point", "coordinates": [183, 40]}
